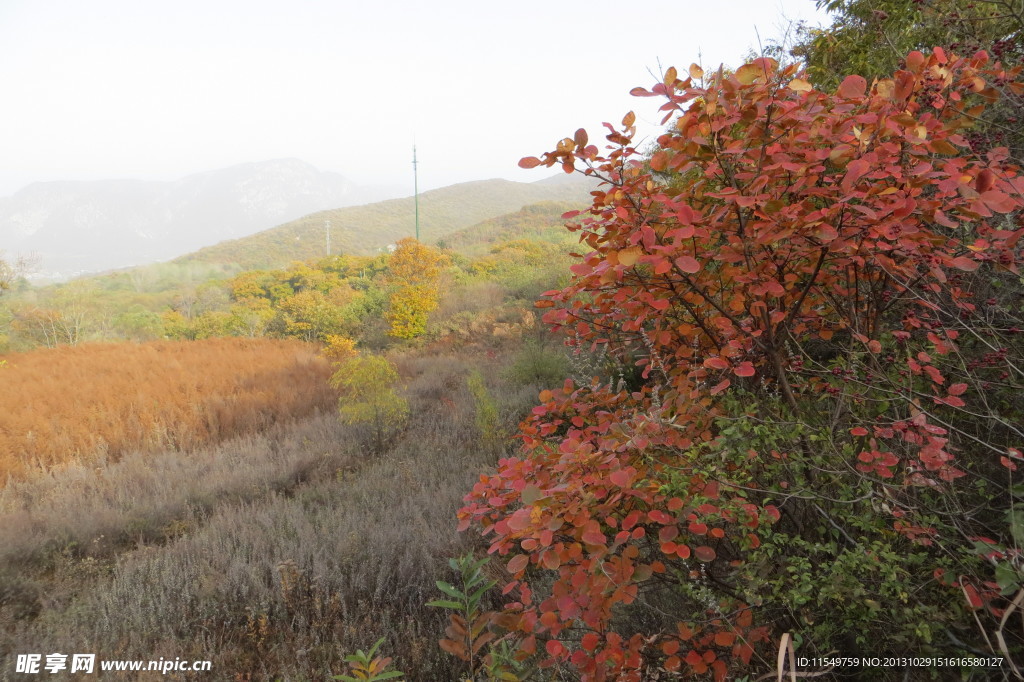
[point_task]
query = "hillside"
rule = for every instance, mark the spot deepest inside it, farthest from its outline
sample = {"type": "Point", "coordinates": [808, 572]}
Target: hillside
{"type": "Point", "coordinates": [76, 227]}
{"type": "Point", "coordinates": [537, 222]}
{"type": "Point", "coordinates": [364, 230]}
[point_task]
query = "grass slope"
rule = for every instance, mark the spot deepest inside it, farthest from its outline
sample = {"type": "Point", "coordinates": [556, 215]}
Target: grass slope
{"type": "Point", "coordinates": [540, 222]}
{"type": "Point", "coordinates": [367, 229]}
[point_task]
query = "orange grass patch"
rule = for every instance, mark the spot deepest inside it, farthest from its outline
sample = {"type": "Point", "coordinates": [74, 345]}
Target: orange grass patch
{"type": "Point", "coordinates": [67, 403]}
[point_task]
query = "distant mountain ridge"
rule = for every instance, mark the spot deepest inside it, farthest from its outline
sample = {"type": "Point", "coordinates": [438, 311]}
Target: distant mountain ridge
{"type": "Point", "coordinates": [76, 227]}
{"type": "Point", "coordinates": [366, 229]}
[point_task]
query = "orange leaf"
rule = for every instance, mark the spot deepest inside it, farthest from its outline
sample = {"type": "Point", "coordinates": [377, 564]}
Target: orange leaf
{"type": "Point", "coordinates": [529, 162]}
{"type": "Point", "coordinates": [725, 638]}
{"type": "Point", "coordinates": [659, 161]}
{"type": "Point", "coordinates": [915, 60]}
{"type": "Point", "coordinates": [629, 257]}
{"type": "Point", "coordinates": [748, 73]}
{"type": "Point", "coordinates": [800, 85]}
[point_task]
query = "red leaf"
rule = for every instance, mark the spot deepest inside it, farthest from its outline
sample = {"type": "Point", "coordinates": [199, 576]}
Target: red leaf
{"type": "Point", "coordinates": [718, 388]}
{"type": "Point", "coordinates": [688, 264]}
{"type": "Point", "coordinates": [997, 201]}
{"type": "Point", "coordinates": [716, 363]}
{"type": "Point", "coordinates": [852, 86]}
{"type": "Point", "coordinates": [529, 162]}
{"type": "Point", "coordinates": [957, 389]}
{"type": "Point", "coordinates": [517, 563]}
{"type": "Point", "coordinates": [554, 647]}
{"type": "Point", "coordinates": [745, 369]}
{"type": "Point", "coordinates": [973, 598]}
{"type": "Point", "coordinates": [658, 516]}
{"type": "Point", "coordinates": [620, 478]}
{"type": "Point", "coordinates": [710, 491]}
{"type": "Point", "coordinates": [704, 553]}
{"type": "Point", "coordinates": [858, 431]}
{"type": "Point", "coordinates": [854, 170]}
{"type": "Point", "coordinates": [964, 263]}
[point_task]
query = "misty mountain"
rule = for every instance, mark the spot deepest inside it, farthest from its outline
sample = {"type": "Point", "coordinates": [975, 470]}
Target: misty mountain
{"type": "Point", "coordinates": [76, 227]}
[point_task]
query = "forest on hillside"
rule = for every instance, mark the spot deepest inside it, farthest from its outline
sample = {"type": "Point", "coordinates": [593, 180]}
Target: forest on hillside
{"type": "Point", "coordinates": [751, 414]}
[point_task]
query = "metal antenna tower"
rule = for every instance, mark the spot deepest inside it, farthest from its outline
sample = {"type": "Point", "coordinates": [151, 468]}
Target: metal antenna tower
{"type": "Point", "coordinates": [327, 229]}
{"type": "Point", "coordinates": [416, 190]}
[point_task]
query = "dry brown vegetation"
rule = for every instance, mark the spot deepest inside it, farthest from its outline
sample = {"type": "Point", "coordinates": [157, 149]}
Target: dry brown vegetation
{"type": "Point", "coordinates": [73, 403]}
{"type": "Point", "coordinates": [273, 555]}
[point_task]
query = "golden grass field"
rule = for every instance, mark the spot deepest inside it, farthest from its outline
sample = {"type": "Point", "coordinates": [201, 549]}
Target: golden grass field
{"type": "Point", "coordinates": [71, 403]}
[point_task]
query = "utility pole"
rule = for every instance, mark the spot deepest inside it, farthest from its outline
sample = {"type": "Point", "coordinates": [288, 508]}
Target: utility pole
{"type": "Point", "coordinates": [327, 229]}
{"type": "Point", "coordinates": [416, 190]}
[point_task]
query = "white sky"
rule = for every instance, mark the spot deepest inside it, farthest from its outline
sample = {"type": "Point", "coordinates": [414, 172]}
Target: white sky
{"type": "Point", "coordinates": [160, 89]}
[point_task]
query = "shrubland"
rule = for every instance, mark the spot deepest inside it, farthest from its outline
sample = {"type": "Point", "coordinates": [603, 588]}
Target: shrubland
{"type": "Point", "coordinates": [821, 289]}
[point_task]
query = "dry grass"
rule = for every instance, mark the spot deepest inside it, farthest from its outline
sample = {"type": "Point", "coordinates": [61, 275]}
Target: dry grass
{"type": "Point", "coordinates": [271, 555]}
{"type": "Point", "coordinates": [71, 403]}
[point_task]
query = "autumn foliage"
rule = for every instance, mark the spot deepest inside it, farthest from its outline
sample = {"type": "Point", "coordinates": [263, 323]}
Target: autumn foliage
{"type": "Point", "coordinates": [414, 277]}
{"type": "Point", "coordinates": [816, 288]}
{"type": "Point", "coordinates": [68, 403]}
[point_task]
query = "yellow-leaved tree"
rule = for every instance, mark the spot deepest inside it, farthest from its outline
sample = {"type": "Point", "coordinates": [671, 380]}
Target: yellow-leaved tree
{"type": "Point", "coordinates": [368, 396]}
{"type": "Point", "coordinates": [414, 274]}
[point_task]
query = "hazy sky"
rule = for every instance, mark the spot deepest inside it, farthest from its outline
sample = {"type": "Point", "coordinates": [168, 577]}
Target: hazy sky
{"type": "Point", "coordinates": [158, 90]}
